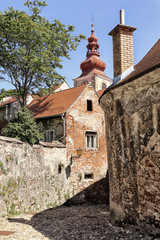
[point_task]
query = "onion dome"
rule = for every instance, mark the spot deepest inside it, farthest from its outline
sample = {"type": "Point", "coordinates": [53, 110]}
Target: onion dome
{"type": "Point", "coordinates": [92, 61]}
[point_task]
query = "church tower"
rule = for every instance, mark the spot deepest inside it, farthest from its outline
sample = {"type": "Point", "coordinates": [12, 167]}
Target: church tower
{"type": "Point", "coordinates": [93, 67]}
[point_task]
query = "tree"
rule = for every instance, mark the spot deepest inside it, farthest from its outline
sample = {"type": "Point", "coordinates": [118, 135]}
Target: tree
{"type": "Point", "coordinates": [32, 48]}
{"type": "Point", "coordinates": [23, 127]}
{"type": "Point", "coordinates": [7, 93]}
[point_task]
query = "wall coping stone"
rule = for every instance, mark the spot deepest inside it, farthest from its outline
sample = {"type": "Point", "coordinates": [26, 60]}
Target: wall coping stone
{"type": "Point", "coordinates": [8, 139]}
{"type": "Point", "coordinates": [44, 144]}
{"type": "Point", "coordinates": [53, 144]}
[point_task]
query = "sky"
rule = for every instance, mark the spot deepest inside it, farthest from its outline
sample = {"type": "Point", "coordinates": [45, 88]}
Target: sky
{"type": "Point", "coordinates": [143, 14]}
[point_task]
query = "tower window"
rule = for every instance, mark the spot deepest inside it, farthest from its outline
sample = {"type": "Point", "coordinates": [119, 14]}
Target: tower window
{"type": "Point", "coordinates": [103, 85]}
{"type": "Point", "coordinates": [89, 105]}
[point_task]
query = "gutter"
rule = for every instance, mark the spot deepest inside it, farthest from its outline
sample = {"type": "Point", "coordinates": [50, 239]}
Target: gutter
{"type": "Point", "coordinates": [64, 127]}
{"type": "Point", "coordinates": [58, 115]}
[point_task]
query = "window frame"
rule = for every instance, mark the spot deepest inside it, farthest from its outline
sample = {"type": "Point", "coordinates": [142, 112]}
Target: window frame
{"type": "Point", "coordinates": [86, 178]}
{"type": "Point", "coordinates": [91, 140]}
{"type": "Point", "coordinates": [104, 86]}
{"type": "Point", "coordinates": [48, 135]}
{"type": "Point", "coordinates": [89, 105]}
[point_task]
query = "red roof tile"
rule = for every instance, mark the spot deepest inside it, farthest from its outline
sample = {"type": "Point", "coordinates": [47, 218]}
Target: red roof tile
{"type": "Point", "coordinates": [93, 71]}
{"type": "Point", "coordinates": [9, 101]}
{"type": "Point", "coordinates": [55, 104]}
{"type": "Point", "coordinates": [100, 92]}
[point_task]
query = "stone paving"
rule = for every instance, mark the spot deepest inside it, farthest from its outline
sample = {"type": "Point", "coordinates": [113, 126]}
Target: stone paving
{"type": "Point", "coordinates": [89, 222]}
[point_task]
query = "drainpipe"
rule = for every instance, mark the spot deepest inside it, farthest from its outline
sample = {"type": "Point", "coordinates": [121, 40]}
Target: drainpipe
{"type": "Point", "coordinates": [64, 126]}
{"type": "Point", "coordinates": [7, 112]}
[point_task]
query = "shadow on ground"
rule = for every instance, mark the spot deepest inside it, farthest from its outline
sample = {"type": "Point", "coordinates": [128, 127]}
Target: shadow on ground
{"type": "Point", "coordinates": [81, 218]}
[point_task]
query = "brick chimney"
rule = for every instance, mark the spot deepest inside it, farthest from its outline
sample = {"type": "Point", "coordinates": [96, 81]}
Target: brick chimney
{"type": "Point", "coordinates": [123, 61]}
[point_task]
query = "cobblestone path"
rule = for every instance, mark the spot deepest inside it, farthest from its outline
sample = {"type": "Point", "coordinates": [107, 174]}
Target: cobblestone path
{"type": "Point", "coordinates": [89, 222]}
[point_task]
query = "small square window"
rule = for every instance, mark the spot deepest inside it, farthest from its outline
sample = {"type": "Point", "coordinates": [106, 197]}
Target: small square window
{"type": "Point", "coordinates": [88, 176]}
{"type": "Point", "coordinates": [89, 105]}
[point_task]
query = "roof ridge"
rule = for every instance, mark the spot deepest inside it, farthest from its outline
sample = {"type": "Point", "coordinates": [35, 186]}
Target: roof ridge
{"type": "Point", "coordinates": [66, 90]}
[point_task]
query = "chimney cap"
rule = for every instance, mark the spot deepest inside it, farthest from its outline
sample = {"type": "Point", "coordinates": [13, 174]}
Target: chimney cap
{"type": "Point", "coordinates": [122, 17]}
{"type": "Point", "coordinates": [121, 26]}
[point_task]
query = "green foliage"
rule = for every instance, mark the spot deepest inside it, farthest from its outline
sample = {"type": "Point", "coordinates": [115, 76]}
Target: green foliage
{"type": "Point", "coordinates": [67, 195]}
{"type": "Point", "coordinates": [32, 49]}
{"type": "Point", "coordinates": [2, 167]}
{"type": "Point", "coordinates": [12, 211]}
{"type": "Point", "coordinates": [23, 127]}
{"type": "Point", "coordinates": [8, 93]}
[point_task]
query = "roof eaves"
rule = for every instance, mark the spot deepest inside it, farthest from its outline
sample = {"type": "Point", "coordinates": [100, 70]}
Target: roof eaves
{"type": "Point", "coordinates": [50, 116]}
{"type": "Point", "coordinates": [129, 79]}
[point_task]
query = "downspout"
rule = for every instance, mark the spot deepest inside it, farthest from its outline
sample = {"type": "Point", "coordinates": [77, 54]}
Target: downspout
{"type": "Point", "coordinates": [7, 112]}
{"type": "Point", "coordinates": [64, 126]}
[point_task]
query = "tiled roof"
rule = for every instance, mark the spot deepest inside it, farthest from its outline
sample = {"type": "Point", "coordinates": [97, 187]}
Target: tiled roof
{"type": "Point", "coordinates": [150, 61]}
{"type": "Point", "coordinates": [93, 71]}
{"type": "Point", "coordinates": [9, 101]}
{"type": "Point", "coordinates": [55, 104]}
{"type": "Point", "coordinates": [100, 92]}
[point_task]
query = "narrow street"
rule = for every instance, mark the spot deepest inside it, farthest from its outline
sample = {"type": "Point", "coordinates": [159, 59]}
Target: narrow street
{"type": "Point", "coordinates": [89, 222]}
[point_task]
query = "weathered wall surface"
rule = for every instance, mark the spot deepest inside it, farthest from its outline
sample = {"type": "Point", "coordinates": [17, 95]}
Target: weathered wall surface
{"type": "Point", "coordinates": [132, 114]}
{"type": "Point", "coordinates": [93, 161]}
{"type": "Point", "coordinates": [32, 177]}
{"type": "Point", "coordinates": [55, 124]}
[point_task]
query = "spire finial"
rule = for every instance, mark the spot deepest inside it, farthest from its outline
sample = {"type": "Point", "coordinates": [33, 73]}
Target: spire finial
{"type": "Point", "coordinates": [92, 23]}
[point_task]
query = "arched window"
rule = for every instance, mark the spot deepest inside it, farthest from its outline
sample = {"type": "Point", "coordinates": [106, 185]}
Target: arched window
{"type": "Point", "coordinates": [103, 86]}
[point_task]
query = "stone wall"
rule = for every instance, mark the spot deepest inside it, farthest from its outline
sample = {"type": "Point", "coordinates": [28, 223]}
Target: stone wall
{"type": "Point", "coordinates": [32, 178]}
{"type": "Point", "coordinates": [132, 114]}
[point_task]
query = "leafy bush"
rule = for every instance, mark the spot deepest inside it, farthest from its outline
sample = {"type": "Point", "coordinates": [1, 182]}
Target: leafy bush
{"type": "Point", "coordinates": [23, 127]}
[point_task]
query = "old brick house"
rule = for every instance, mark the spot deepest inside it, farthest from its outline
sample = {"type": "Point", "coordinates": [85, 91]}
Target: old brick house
{"type": "Point", "coordinates": [74, 117]}
{"type": "Point", "coordinates": [9, 105]}
{"type": "Point", "coordinates": [132, 113]}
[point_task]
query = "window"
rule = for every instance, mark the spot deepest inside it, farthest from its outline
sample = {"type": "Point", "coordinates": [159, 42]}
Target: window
{"type": "Point", "coordinates": [88, 176]}
{"type": "Point", "coordinates": [89, 105]}
{"type": "Point", "coordinates": [103, 86]}
{"type": "Point", "coordinates": [50, 135]}
{"type": "Point", "coordinates": [59, 168]}
{"type": "Point", "coordinates": [91, 140]}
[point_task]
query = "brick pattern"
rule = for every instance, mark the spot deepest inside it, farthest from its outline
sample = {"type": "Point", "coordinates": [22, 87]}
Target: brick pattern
{"type": "Point", "coordinates": [79, 120]}
{"type": "Point", "coordinates": [122, 50]}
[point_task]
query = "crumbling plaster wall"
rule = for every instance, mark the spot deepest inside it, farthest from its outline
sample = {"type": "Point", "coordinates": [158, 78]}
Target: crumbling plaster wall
{"type": "Point", "coordinates": [132, 116]}
{"type": "Point", "coordinates": [29, 176]}
{"type": "Point", "coordinates": [92, 161]}
{"type": "Point", "coordinates": [52, 123]}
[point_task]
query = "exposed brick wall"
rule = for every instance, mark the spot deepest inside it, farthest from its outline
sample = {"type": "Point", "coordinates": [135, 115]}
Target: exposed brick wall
{"type": "Point", "coordinates": [92, 161]}
{"type": "Point", "coordinates": [132, 114]}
